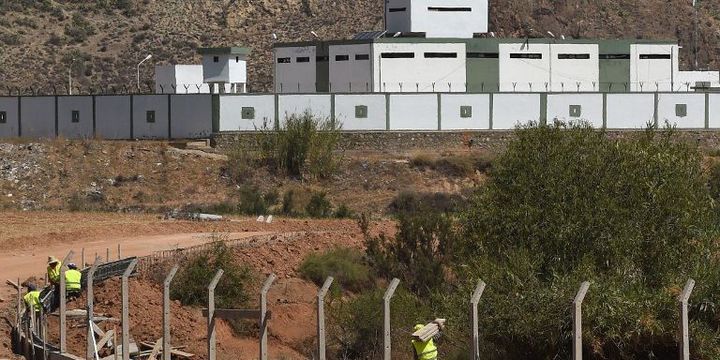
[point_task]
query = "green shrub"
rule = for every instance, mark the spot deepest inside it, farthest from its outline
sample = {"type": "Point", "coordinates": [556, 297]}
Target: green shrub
{"type": "Point", "coordinates": [271, 197]}
{"type": "Point", "coordinates": [288, 202]}
{"type": "Point", "coordinates": [345, 265]}
{"type": "Point", "coordinates": [344, 212]}
{"type": "Point", "coordinates": [411, 201]}
{"type": "Point", "coordinates": [252, 201]}
{"type": "Point", "coordinates": [79, 29]}
{"type": "Point", "coordinates": [453, 165]}
{"type": "Point", "coordinates": [714, 181]}
{"type": "Point", "coordinates": [319, 206]}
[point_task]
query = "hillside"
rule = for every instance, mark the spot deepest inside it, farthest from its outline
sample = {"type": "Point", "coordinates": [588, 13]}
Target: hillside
{"type": "Point", "coordinates": [40, 39]}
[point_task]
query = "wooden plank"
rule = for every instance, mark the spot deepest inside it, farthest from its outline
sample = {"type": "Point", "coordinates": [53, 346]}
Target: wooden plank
{"type": "Point", "coordinates": [156, 350]}
{"type": "Point", "coordinates": [97, 330]}
{"type": "Point", "coordinates": [105, 339]}
{"type": "Point", "coordinates": [429, 330]}
{"type": "Point", "coordinates": [13, 284]}
{"type": "Point", "coordinates": [234, 314]}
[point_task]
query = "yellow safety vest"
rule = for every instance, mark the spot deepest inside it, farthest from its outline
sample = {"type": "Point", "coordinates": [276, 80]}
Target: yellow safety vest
{"type": "Point", "coordinates": [425, 350]}
{"type": "Point", "coordinates": [54, 273]}
{"type": "Point", "coordinates": [72, 280]}
{"type": "Point", "coordinates": [32, 300]}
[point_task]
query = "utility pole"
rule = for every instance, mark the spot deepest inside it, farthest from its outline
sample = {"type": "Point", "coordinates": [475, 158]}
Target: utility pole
{"type": "Point", "coordinates": [72, 62]}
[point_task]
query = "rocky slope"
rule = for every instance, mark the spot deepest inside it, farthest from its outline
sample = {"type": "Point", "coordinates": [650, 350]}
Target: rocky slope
{"type": "Point", "coordinates": [106, 38]}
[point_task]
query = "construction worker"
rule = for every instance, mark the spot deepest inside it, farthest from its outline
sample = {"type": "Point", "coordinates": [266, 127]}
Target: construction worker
{"type": "Point", "coordinates": [424, 350]}
{"type": "Point", "coordinates": [53, 270]}
{"type": "Point", "coordinates": [73, 279]}
{"type": "Point", "coordinates": [32, 298]}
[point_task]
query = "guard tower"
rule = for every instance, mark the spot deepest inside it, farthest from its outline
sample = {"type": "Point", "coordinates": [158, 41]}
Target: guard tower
{"type": "Point", "coordinates": [225, 69]}
{"type": "Point", "coordinates": [437, 18]}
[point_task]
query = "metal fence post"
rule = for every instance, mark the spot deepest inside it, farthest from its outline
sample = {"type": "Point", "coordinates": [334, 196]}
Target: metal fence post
{"type": "Point", "coordinates": [387, 339]}
{"type": "Point", "coordinates": [684, 320]}
{"type": "Point", "coordinates": [321, 317]}
{"type": "Point", "coordinates": [90, 311]}
{"type": "Point", "coordinates": [126, 310]}
{"type": "Point", "coordinates": [474, 300]}
{"type": "Point", "coordinates": [166, 313]}
{"type": "Point", "coordinates": [577, 320]}
{"type": "Point", "coordinates": [264, 317]}
{"type": "Point", "coordinates": [212, 346]}
{"type": "Point", "coordinates": [63, 303]}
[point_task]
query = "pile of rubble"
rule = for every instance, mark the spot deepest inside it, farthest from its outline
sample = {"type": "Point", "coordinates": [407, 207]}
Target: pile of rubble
{"type": "Point", "coordinates": [20, 170]}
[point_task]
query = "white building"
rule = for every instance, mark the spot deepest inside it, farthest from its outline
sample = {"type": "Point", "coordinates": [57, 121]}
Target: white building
{"type": "Point", "coordinates": [180, 79]}
{"type": "Point", "coordinates": [224, 67]}
{"type": "Point", "coordinates": [437, 18]}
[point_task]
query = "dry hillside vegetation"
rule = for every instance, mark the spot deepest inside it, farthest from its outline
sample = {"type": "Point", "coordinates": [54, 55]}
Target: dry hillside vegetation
{"type": "Point", "coordinates": [108, 37]}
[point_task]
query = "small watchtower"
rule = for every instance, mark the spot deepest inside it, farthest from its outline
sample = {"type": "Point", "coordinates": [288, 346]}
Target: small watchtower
{"type": "Point", "coordinates": [225, 69]}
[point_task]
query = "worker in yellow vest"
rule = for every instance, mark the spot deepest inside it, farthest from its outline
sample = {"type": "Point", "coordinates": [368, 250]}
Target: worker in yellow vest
{"type": "Point", "coordinates": [32, 298]}
{"type": "Point", "coordinates": [73, 279]}
{"type": "Point", "coordinates": [53, 270]}
{"type": "Point", "coordinates": [424, 350]}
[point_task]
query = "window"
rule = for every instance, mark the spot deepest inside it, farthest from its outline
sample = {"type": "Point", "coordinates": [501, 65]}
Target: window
{"type": "Point", "coordinates": [304, 59]}
{"type": "Point", "coordinates": [361, 112]}
{"type": "Point", "coordinates": [525, 56]}
{"type": "Point", "coordinates": [342, 57]}
{"type": "Point", "coordinates": [681, 110]}
{"type": "Point", "coordinates": [322, 58]}
{"type": "Point", "coordinates": [75, 116]}
{"type": "Point", "coordinates": [285, 60]}
{"type": "Point", "coordinates": [237, 59]}
{"type": "Point", "coordinates": [466, 112]}
{"type": "Point", "coordinates": [654, 56]}
{"type": "Point", "coordinates": [575, 111]}
{"type": "Point", "coordinates": [216, 59]}
{"type": "Point", "coordinates": [3, 117]}
{"type": "Point", "coordinates": [247, 113]}
{"type": "Point", "coordinates": [398, 55]}
{"type": "Point", "coordinates": [614, 56]}
{"type": "Point", "coordinates": [482, 55]}
{"type": "Point", "coordinates": [150, 116]}
{"type": "Point", "coordinates": [449, 9]}
{"type": "Point", "coordinates": [440, 55]}
{"type": "Point", "coordinates": [573, 56]}
{"type": "Point", "coordinates": [397, 10]}
{"type": "Point", "coordinates": [362, 57]}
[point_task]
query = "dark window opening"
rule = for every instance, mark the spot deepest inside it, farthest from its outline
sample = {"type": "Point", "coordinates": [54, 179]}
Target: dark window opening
{"type": "Point", "coordinates": [342, 57]}
{"type": "Point", "coordinates": [216, 59]}
{"type": "Point", "coordinates": [654, 56]}
{"type": "Point", "coordinates": [247, 113]}
{"type": "Point", "coordinates": [285, 60]}
{"type": "Point", "coordinates": [449, 9]}
{"type": "Point", "coordinates": [440, 55]}
{"type": "Point", "coordinates": [614, 56]}
{"type": "Point", "coordinates": [397, 10]}
{"type": "Point", "coordinates": [322, 58]}
{"type": "Point", "coordinates": [525, 56]}
{"type": "Point", "coordinates": [3, 117]}
{"type": "Point", "coordinates": [237, 59]}
{"type": "Point", "coordinates": [362, 57]}
{"type": "Point", "coordinates": [398, 55]}
{"type": "Point", "coordinates": [75, 116]}
{"type": "Point", "coordinates": [304, 59]}
{"type": "Point", "coordinates": [481, 55]}
{"type": "Point", "coordinates": [150, 116]}
{"type": "Point", "coordinates": [573, 56]}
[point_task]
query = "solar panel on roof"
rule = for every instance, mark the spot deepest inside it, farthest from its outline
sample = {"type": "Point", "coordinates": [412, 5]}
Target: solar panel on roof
{"type": "Point", "coordinates": [369, 35]}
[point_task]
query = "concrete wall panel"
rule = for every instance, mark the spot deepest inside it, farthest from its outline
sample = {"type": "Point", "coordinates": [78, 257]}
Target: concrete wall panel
{"type": "Point", "coordinates": [565, 107]}
{"type": "Point", "coordinates": [453, 118]}
{"type": "Point", "coordinates": [511, 110]}
{"type": "Point", "coordinates": [414, 112]}
{"type": "Point", "coordinates": [345, 111]}
{"type": "Point", "coordinates": [191, 116]}
{"type": "Point", "coordinates": [231, 107]}
{"type": "Point", "coordinates": [38, 117]}
{"type": "Point", "coordinates": [142, 105]}
{"type": "Point", "coordinates": [81, 129]}
{"type": "Point", "coordinates": [10, 128]}
{"type": "Point", "coordinates": [630, 111]}
{"type": "Point", "coordinates": [685, 111]}
{"type": "Point", "coordinates": [318, 105]}
{"type": "Point", "coordinates": [714, 111]}
{"type": "Point", "coordinates": [112, 117]}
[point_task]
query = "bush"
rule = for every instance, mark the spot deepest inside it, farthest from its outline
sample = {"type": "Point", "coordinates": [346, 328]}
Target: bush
{"type": "Point", "coordinates": [191, 281]}
{"type": "Point", "coordinates": [288, 202]}
{"type": "Point", "coordinates": [453, 165]}
{"type": "Point", "coordinates": [410, 201]}
{"type": "Point", "coordinates": [319, 206]}
{"type": "Point", "coordinates": [344, 212]}
{"type": "Point", "coordinates": [345, 265]}
{"type": "Point", "coordinates": [252, 201]}
{"type": "Point", "coordinates": [79, 29]}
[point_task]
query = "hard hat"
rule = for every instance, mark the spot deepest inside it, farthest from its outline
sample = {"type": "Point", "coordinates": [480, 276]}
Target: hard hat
{"type": "Point", "coordinates": [52, 260]}
{"type": "Point", "coordinates": [72, 266]}
{"type": "Point", "coordinates": [418, 327]}
{"type": "Point", "coordinates": [31, 287]}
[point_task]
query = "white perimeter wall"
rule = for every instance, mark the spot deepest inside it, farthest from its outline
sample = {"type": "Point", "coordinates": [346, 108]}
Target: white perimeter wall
{"type": "Point", "coordinates": [522, 71]}
{"type": "Point", "coordinates": [651, 71]}
{"type": "Point", "coordinates": [591, 108]}
{"type": "Point", "coordinates": [376, 112]}
{"type": "Point", "coordinates": [81, 129]}
{"type": "Point", "coordinates": [450, 111]}
{"type": "Point", "coordinates": [567, 74]}
{"type": "Point", "coordinates": [288, 76]}
{"type": "Point", "coordinates": [419, 73]}
{"type": "Point", "coordinates": [714, 110]}
{"type": "Point", "coordinates": [351, 75]}
{"type": "Point", "coordinates": [231, 112]}
{"type": "Point", "coordinates": [10, 106]}
{"type": "Point", "coordinates": [112, 117]}
{"type": "Point", "coordinates": [416, 112]}
{"type": "Point", "coordinates": [694, 105]}
{"type": "Point", "coordinates": [318, 105]}
{"type": "Point", "coordinates": [38, 117]}
{"type": "Point", "coordinates": [191, 116]}
{"type": "Point", "coordinates": [141, 128]}
{"type": "Point", "coordinates": [630, 111]}
{"type": "Point", "coordinates": [449, 24]}
{"type": "Point", "coordinates": [511, 110]}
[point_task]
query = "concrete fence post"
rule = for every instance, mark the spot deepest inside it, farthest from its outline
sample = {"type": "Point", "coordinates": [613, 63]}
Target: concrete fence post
{"type": "Point", "coordinates": [119, 253]}
{"type": "Point", "coordinates": [82, 258]}
{"type": "Point", "coordinates": [166, 350]}
{"type": "Point", "coordinates": [577, 320]}
{"type": "Point", "coordinates": [107, 254]}
{"type": "Point", "coordinates": [684, 320]}
{"type": "Point", "coordinates": [474, 300]}
{"type": "Point", "coordinates": [263, 316]}
{"type": "Point", "coordinates": [90, 338]}
{"type": "Point", "coordinates": [63, 303]}
{"type": "Point", "coordinates": [126, 310]}
{"type": "Point", "coordinates": [321, 317]}
{"type": "Point", "coordinates": [387, 338]}
{"type": "Point", "coordinates": [212, 346]}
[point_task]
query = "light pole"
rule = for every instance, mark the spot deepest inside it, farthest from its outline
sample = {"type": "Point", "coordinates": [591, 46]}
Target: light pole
{"type": "Point", "coordinates": [138, 69]}
{"type": "Point", "coordinates": [72, 62]}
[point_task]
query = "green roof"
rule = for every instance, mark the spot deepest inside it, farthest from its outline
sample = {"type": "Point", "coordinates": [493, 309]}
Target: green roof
{"type": "Point", "coordinates": [235, 50]}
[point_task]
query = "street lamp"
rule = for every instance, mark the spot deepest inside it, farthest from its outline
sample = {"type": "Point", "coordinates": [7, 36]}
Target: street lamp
{"type": "Point", "coordinates": [72, 62]}
{"type": "Point", "coordinates": [138, 69]}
